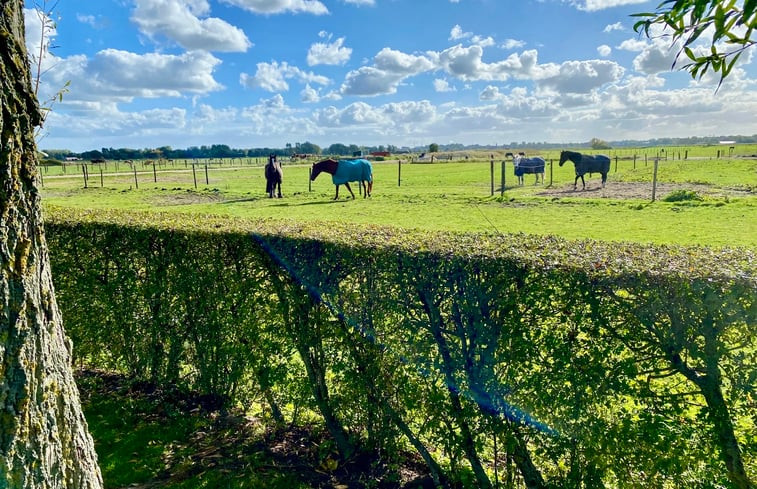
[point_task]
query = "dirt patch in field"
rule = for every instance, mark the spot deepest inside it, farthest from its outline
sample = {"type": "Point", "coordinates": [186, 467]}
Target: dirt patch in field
{"type": "Point", "coordinates": [187, 197]}
{"type": "Point", "coordinates": [637, 190]}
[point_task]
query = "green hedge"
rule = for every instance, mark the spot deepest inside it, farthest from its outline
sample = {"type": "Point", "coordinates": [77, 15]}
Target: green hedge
{"type": "Point", "coordinates": [536, 361]}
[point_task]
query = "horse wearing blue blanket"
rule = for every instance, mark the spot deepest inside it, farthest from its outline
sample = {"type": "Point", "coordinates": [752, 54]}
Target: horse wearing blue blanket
{"type": "Point", "coordinates": [587, 164]}
{"type": "Point", "coordinates": [523, 165]}
{"type": "Point", "coordinates": [345, 171]}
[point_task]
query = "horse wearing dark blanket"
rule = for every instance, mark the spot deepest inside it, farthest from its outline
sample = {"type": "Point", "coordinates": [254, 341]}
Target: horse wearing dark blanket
{"type": "Point", "coordinates": [345, 171]}
{"type": "Point", "coordinates": [586, 164]}
{"type": "Point", "coordinates": [523, 165]}
{"type": "Point", "coordinates": [273, 176]}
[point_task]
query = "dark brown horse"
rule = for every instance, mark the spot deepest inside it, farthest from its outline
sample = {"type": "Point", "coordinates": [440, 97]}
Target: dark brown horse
{"type": "Point", "coordinates": [345, 171]}
{"type": "Point", "coordinates": [273, 176]}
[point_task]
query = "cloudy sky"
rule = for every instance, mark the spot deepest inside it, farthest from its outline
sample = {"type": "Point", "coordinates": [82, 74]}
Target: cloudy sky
{"type": "Point", "coordinates": [264, 73]}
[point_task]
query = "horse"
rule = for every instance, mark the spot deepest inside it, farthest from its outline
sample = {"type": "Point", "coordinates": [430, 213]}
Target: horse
{"type": "Point", "coordinates": [523, 165]}
{"type": "Point", "coordinates": [345, 171]}
{"type": "Point", "coordinates": [273, 176]}
{"type": "Point", "coordinates": [586, 164]}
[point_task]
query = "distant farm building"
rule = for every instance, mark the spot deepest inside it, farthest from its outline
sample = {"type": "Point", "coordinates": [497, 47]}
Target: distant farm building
{"type": "Point", "coordinates": [380, 153]}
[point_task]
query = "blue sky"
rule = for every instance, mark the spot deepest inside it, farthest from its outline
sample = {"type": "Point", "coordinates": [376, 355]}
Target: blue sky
{"type": "Point", "coordinates": [264, 73]}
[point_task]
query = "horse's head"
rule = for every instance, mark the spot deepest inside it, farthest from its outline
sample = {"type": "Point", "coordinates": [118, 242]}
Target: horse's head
{"type": "Point", "coordinates": [328, 165]}
{"type": "Point", "coordinates": [563, 157]}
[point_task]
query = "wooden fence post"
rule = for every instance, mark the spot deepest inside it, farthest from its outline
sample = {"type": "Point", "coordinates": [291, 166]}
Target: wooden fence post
{"type": "Point", "coordinates": [207, 180]}
{"type": "Point", "coordinates": [102, 183]}
{"type": "Point", "coordinates": [654, 180]}
{"type": "Point", "coordinates": [399, 172]}
{"type": "Point", "coordinates": [154, 174]}
{"type": "Point", "coordinates": [136, 182]}
{"type": "Point", "coordinates": [491, 171]}
{"type": "Point", "coordinates": [194, 174]}
{"type": "Point", "coordinates": [310, 178]}
{"type": "Point", "coordinates": [502, 188]}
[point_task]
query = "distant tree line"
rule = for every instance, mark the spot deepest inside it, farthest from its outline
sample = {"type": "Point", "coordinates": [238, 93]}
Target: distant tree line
{"type": "Point", "coordinates": [215, 151]}
{"type": "Point", "coordinates": [224, 151]}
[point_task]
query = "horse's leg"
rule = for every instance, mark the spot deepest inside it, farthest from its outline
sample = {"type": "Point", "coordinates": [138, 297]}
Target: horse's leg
{"type": "Point", "coordinates": [583, 182]}
{"type": "Point", "coordinates": [575, 182]}
{"type": "Point", "coordinates": [278, 187]}
{"type": "Point", "coordinates": [604, 179]}
{"type": "Point", "coordinates": [347, 184]}
{"type": "Point", "coordinates": [337, 193]}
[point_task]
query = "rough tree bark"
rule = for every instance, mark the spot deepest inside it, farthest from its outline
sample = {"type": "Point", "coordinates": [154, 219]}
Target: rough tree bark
{"type": "Point", "coordinates": [44, 442]}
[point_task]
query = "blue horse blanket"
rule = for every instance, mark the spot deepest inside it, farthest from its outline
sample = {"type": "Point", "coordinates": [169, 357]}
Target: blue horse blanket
{"type": "Point", "coordinates": [352, 171]}
{"type": "Point", "coordinates": [529, 165]}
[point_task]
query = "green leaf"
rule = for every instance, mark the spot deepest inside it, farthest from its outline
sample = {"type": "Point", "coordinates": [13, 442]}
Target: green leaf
{"type": "Point", "coordinates": [729, 66]}
{"type": "Point", "coordinates": [749, 8]}
{"type": "Point", "coordinates": [719, 21]}
{"type": "Point", "coordinates": [695, 34]}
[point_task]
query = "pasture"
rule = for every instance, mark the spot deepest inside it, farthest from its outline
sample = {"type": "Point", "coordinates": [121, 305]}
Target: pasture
{"type": "Point", "coordinates": [714, 198]}
{"type": "Point", "coordinates": [203, 319]}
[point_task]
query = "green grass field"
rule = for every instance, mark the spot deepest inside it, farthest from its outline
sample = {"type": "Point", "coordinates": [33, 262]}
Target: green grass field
{"type": "Point", "coordinates": [457, 196]}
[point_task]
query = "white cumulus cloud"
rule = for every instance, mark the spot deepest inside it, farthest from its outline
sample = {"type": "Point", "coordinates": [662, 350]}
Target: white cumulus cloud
{"type": "Point", "coordinates": [594, 5]}
{"type": "Point", "coordinates": [272, 77]}
{"type": "Point", "coordinates": [617, 26]}
{"type": "Point", "coordinates": [457, 33]}
{"type": "Point", "coordinates": [441, 85]}
{"type": "Point", "coordinates": [583, 77]}
{"type": "Point", "coordinates": [280, 6]}
{"type": "Point", "coordinates": [324, 53]}
{"type": "Point", "coordinates": [179, 21]}
{"type": "Point", "coordinates": [390, 68]}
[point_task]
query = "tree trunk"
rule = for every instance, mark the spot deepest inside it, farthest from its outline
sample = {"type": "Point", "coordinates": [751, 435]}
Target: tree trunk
{"type": "Point", "coordinates": [297, 309]}
{"type": "Point", "coordinates": [44, 442]}
{"type": "Point", "coordinates": [722, 426]}
{"type": "Point", "coordinates": [447, 365]}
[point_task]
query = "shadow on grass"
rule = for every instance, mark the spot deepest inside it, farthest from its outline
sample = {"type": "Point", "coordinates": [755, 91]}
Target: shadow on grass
{"type": "Point", "coordinates": [147, 438]}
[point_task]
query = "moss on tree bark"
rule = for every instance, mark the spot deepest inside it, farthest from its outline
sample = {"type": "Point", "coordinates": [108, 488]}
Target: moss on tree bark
{"type": "Point", "coordinates": [44, 442]}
